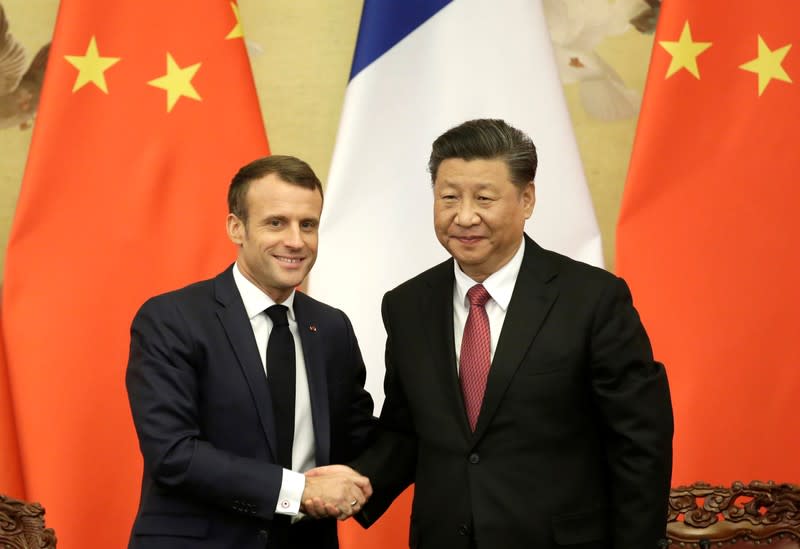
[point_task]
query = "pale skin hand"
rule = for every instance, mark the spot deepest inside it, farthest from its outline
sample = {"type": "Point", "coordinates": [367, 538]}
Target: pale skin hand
{"type": "Point", "coordinates": [334, 491]}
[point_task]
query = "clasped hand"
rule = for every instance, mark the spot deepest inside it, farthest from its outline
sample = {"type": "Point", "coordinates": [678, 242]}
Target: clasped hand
{"type": "Point", "coordinates": [334, 491]}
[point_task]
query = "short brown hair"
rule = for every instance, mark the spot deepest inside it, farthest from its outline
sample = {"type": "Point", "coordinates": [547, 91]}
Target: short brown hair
{"type": "Point", "coordinates": [289, 168]}
{"type": "Point", "coordinates": [487, 138]}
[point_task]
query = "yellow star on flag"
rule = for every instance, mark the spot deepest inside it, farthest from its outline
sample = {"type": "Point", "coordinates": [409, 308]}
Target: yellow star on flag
{"type": "Point", "coordinates": [684, 52]}
{"type": "Point", "coordinates": [177, 82]}
{"type": "Point", "coordinates": [91, 67]}
{"type": "Point", "coordinates": [236, 31]}
{"type": "Point", "coordinates": [768, 64]}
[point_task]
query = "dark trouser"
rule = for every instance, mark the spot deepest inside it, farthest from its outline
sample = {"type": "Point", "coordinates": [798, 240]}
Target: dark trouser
{"type": "Point", "coordinates": [305, 534]}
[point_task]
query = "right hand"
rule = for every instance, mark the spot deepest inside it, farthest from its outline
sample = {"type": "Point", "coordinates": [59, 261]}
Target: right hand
{"type": "Point", "coordinates": [334, 491]}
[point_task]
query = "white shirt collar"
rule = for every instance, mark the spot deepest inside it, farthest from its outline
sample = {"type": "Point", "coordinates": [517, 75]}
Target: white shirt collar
{"type": "Point", "coordinates": [255, 300]}
{"type": "Point", "coordinates": [499, 284]}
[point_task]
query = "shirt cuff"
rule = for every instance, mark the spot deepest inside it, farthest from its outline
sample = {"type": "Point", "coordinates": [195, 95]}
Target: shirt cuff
{"type": "Point", "coordinates": [292, 486]}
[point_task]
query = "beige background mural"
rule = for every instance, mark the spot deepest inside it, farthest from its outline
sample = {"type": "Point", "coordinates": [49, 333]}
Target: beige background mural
{"type": "Point", "coordinates": [301, 52]}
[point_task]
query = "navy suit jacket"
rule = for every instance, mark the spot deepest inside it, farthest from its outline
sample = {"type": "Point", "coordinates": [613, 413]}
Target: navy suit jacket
{"type": "Point", "coordinates": [573, 445]}
{"type": "Point", "coordinates": [203, 414]}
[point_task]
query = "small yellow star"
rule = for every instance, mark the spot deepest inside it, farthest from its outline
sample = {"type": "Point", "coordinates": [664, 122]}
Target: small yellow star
{"type": "Point", "coordinates": [768, 64]}
{"type": "Point", "coordinates": [91, 67]}
{"type": "Point", "coordinates": [684, 52]}
{"type": "Point", "coordinates": [177, 82]}
{"type": "Point", "coordinates": [236, 31]}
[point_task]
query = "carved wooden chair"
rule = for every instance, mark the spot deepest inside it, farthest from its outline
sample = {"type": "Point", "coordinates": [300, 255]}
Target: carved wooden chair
{"type": "Point", "coordinates": [22, 526]}
{"type": "Point", "coordinates": [761, 515]}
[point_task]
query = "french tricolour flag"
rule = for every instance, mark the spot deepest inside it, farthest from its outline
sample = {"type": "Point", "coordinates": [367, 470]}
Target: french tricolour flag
{"type": "Point", "coordinates": [421, 67]}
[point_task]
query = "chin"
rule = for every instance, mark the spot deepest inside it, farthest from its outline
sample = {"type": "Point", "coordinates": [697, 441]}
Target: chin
{"type": "Point", "coordinates": [294, 283]}
{"type": "Point", "coordinates": [468, 259]}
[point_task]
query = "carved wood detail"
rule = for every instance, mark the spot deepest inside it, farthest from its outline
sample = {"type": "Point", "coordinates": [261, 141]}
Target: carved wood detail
{"type": "Point", "coordinates": [22, 526]}
{"type": "Point", "coordinates": [756, 513]}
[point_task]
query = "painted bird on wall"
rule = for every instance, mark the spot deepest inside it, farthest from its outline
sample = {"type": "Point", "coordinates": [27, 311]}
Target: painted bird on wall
{"type": "Point", "coordinates": [20, 83]}
{"type": "Point", "coordinates": [576, 28]}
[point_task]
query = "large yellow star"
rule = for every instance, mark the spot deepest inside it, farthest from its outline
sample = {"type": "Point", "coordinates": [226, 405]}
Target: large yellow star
{"type": "Point", "coordinates": [177, 82]}
{"type": "Point", "coordinates": [91, 67]}
{"type": "Point", "coordinates": [236, 31]}
{"type": "Point", "coordinates": [684, 52]}
{"type": "Point", "coordinates": [768, 64]}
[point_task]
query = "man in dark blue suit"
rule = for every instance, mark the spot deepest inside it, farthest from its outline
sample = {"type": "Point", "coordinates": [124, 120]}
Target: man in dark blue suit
{"type": "Point", "coordinates": [239, 384]}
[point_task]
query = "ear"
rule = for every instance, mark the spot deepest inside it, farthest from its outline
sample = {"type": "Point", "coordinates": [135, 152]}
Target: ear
{"type": "Point", "coordinates": [528, 197]}
{"type": "Point", "coordinates": [236, 229]}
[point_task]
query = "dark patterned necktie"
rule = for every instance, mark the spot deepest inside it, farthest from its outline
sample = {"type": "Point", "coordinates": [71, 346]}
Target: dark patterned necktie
{"type": "Point", "coordinates": [476, 353]}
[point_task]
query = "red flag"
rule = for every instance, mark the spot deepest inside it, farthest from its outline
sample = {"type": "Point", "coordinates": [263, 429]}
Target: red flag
{"type": "Point", "coordinates": [11, 482]}
{"type": "Point", "coordinates": [147, 111]}
{"type": "Point", "coordinates": [708, 233]}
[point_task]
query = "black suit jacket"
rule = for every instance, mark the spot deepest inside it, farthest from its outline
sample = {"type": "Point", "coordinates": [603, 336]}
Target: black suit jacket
{"type": "Point", "coordinates": [573, 444]}
{"type": "Point", "coordinates": [203, 413]}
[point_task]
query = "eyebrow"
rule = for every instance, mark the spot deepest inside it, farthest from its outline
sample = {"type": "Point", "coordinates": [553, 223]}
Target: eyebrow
{"type": "Point", "coordinates": [281, 217]}
{"type": "Point", "coordinates": [480, 186]}
{"type": "Point", "coordinates": [272, 217]}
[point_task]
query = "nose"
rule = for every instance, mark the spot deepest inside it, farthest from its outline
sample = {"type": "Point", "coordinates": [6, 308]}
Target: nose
{"type": "Point", "coordinates": [466, 214]}
{"type": "Point", "coordinates": [293, 237]}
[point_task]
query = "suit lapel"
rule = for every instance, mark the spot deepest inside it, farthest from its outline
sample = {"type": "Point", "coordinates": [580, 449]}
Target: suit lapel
{"type": "Point", "coordinates": [317, 376]}
{"type": "Point", "coordinates": [531, 300]}
{"type": "Point", "coordinates": [438, 308]}
{"type": "Point", "coordinates": [236, 324]}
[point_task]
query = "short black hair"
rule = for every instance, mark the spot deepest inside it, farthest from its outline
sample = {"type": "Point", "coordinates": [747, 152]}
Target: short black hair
{"type": "Point", "coordinates": [487, 138]}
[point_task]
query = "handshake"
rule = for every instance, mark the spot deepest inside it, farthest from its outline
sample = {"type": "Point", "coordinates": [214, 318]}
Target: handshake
{"type": "Point", "coordinates": [334, 491]}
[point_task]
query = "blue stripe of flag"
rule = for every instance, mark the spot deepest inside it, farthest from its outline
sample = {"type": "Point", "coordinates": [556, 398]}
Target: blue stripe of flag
{"type": "Point", "coordinates": [385, 22]}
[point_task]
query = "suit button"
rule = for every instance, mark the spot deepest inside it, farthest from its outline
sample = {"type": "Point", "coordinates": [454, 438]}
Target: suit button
{"type": "Point", "coordinates": [463, 530]}
{"type": "Point", "coordinates": [474, 459]}
{"type": "Point", "coordinates": [263, 536]}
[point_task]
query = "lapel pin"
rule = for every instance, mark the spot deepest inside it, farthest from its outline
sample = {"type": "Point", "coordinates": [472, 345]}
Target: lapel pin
{"type": "Point", "coordinates": [312, 327]}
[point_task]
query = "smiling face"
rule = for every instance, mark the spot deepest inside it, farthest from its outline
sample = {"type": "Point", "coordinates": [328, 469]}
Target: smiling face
{"type": "Point", "coordinates": [479, 213]}
{"type": "Point", "coordinates": [278, 242]}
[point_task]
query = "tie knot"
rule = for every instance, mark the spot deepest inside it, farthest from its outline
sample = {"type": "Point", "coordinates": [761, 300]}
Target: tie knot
{"type": "Point", "coordinates": [277, 313]}
{"type": "Point", "coordinates": [478, 296]}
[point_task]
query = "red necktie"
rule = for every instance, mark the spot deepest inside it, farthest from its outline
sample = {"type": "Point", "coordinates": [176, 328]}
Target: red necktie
{"type": "Point", "coordinates": [476, 353]}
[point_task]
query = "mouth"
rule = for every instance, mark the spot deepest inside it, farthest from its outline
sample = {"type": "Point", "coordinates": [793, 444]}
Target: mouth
{"type": "Point", "coordinates": [288, 260]}
{"type": "Point", "coordinates": [467, 239]}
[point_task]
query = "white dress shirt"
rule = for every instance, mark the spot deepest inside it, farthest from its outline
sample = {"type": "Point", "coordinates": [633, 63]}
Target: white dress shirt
{"type": "Point", "coordinates": [500, 286]}
{"type": "Point", "coordinates": [255, 303]}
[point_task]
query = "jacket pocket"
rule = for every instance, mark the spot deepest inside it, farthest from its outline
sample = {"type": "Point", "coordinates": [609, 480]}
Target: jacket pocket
{"type": "Point", "coordinates": [582, 527]}
{"type": "Point", "coordinates": [189, 526]}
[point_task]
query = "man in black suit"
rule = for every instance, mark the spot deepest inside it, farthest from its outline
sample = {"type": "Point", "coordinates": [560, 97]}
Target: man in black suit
{"type": "Point", "coordinates": [239, 384]}
{"type": "Point", "coordinates": [522, 397]}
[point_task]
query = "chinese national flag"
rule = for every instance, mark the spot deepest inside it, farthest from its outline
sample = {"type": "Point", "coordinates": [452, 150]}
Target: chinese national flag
{"type": "Point", "coordinates": [709, 232]}
{"type": "Point", "coordinates": [147, 111]}
{"type": "Point", "coordinates": [10, 467]}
